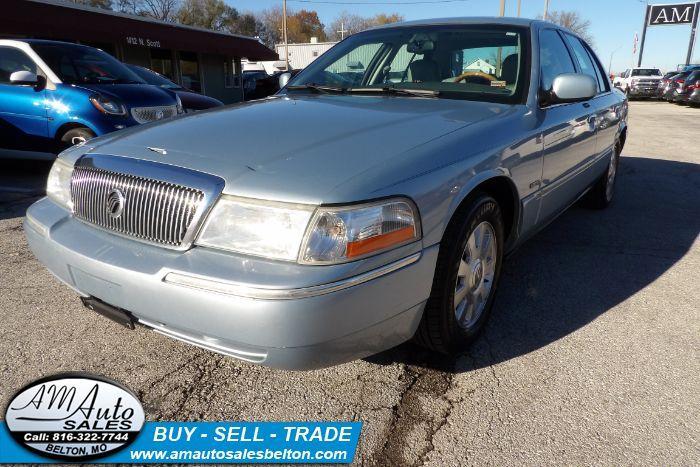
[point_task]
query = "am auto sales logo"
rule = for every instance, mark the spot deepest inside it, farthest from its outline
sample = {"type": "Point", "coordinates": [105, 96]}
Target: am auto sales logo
{"type": "Point", "coordinates": [74, 416]}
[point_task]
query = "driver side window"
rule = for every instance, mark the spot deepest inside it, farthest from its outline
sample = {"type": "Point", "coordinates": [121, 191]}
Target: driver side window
{"type": "Point", "coordinates": [554, 58]}
{"type": "Point", "coordinates": [12, 60]}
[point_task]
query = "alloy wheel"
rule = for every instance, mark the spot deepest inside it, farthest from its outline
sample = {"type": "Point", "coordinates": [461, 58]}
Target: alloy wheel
{"type": "Point", "coordinates": [475, 276]}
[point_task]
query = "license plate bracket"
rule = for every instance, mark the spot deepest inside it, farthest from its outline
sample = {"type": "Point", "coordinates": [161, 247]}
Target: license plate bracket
{"type": "Point", "coordinates": [117, 315]}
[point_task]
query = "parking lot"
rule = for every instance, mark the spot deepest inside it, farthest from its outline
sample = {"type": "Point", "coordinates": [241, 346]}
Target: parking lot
{"type": "Point", "coordinates": [591, 355]}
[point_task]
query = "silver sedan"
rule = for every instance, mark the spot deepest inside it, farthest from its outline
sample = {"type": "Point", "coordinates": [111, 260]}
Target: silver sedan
{"type": "Point", "coordinates": [370, 202]}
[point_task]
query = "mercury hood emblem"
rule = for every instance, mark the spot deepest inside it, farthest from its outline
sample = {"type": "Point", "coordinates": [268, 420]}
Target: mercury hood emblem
{"type": "Point", "coordinates": [115, 203]}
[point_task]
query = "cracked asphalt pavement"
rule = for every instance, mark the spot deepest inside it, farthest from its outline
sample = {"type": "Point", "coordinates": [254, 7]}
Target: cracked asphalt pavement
{"type": "Point", "coordinates": [591, 356]}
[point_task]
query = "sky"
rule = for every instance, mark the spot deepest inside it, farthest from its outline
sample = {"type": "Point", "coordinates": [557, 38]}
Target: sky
{"type": "Point", "coordinates": [613, 22]}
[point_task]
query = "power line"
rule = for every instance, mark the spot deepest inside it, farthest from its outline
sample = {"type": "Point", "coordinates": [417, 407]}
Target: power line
{"type": "Point", "coordinates": [407, 2]}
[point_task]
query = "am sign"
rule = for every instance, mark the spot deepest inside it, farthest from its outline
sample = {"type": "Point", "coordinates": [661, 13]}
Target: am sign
{"type": "Point", "coordinates": [681, 13]}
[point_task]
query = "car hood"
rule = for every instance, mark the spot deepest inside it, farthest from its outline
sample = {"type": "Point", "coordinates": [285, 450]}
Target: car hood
{"type": "Point", "coordinates": [297, 148]}
{"type": "Point", "coordinates": [134, 95]}
{"type": "Point", "coordinates": [192, 100]}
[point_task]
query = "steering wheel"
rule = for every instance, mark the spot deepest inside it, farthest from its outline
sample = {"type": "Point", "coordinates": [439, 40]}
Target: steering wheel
{"type": "Point", "coordinates": [476, 77]}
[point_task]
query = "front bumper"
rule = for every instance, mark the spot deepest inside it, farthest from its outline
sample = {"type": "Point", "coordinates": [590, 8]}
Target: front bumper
{"type": "Point", "coordinates": [337, 325]}
{"type": "Point", "coordinates": [647, 91]}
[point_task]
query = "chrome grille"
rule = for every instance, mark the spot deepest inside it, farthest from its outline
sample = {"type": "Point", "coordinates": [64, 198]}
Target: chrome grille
{"type": "Point", "coordinates": [147, 209]}
{"type": "Point", "coordinates": [151, 114]}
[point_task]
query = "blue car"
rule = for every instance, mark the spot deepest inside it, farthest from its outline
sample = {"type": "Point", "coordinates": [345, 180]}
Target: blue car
{"type": "Point", "coordinates": [56, 94]}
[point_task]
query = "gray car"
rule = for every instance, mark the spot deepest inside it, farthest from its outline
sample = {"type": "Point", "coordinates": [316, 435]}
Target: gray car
{"type": "Point", "coordinates": [370, 202]}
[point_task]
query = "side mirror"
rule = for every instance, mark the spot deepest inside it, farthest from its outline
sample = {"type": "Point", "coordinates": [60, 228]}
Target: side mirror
{"type": "Point", "coordinates": [284, 79]}
{"type": "Point", "coordinates": [572, 87]}
{"type": "Point", "coordinates": [24, 78]}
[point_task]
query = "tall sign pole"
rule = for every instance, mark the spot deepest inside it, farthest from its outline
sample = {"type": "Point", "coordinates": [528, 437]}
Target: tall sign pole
{"type": "Point", "coordinates": [693, 28]}
{"type": "Point", "coordinates": [284, 33]}
{"type": "Point", "coordinates": [502, 11]}
{"type": "Point", "coordinates": [644, 35]}
{"type": "Point", "coordinates": [546, 7]}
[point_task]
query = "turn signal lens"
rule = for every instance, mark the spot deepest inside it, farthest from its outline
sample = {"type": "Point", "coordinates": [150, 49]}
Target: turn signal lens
{"type": "Point", "coordinates": [342, 234]}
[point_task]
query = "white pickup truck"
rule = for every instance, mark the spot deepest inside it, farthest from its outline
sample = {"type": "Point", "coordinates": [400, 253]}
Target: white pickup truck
{"type": "Point", "coordinates": [639, 82]}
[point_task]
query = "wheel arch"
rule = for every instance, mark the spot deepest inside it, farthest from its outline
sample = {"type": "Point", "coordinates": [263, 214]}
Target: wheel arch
{"type": "Point", "coordinates": [501, 187]}
{"type": "Point", "coordinates": [66, 127]}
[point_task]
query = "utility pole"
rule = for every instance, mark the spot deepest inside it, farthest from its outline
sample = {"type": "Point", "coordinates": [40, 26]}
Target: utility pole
{"type": "Point", "coordinates": [503, 8]}
{"type": "Point", "coordinates": [284, 34]}
{"type": "Point", "coordinates": [546, 8]}
{"type": "Point", "coordinates": [518, 8]}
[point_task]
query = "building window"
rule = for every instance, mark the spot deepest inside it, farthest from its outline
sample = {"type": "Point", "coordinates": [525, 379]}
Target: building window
{"type": "Point", "coordinates": [162, 62]}
{"type": "Point", "coordinates": [315, 53]}
{"type": "Point", "coordinates": [189, 71]}
{"type": "Point", "coordinates": [228, 74]}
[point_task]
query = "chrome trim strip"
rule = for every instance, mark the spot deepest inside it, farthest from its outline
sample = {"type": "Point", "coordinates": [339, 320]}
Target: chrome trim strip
{"type": "Point", "coordinates": [254, 357]}
{"type": "Point", "coordinates": [246, 291]}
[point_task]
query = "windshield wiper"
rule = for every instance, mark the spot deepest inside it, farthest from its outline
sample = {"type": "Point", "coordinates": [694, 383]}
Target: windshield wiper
{"type": "Point", "coordinates": [317, 87]}
{"type": "Point", "coordinates": [397, 91]}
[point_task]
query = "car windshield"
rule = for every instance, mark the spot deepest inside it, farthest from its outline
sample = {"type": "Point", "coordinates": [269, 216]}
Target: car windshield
{"type": "Point", "coordinates": [480, 62]}
{"type": "Point", "coordinates": [76, 64]}
{"type": "Point", "coordinates": [151, 77]}
{"type": "Point", "coordinates": [646, 72]}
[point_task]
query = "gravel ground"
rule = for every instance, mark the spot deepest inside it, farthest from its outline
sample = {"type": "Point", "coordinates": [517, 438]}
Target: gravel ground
{"type": "Point", "coordinates": [591, 356]}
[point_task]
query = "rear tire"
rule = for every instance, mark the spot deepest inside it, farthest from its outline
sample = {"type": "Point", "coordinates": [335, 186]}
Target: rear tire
{"type": "Point", "coordinates": [466, 277]}
{"type": "Point", "coordinates": [75, 136]}
{"type": "Point", "coordinates": [602, 193]}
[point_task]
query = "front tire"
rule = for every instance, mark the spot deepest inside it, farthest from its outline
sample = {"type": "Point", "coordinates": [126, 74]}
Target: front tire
{"type": "Point", "coordinates": [466, 277]}
{"type": "Point", "coordinates": [75, 136]}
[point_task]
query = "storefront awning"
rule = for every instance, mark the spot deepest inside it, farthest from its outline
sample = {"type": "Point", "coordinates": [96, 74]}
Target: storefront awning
{"type": "Point", "coordinates": [50, 19]}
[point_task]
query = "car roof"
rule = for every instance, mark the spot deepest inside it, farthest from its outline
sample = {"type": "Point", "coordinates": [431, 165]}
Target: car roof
{"type": "Point", "coordinates": [467, 20]}
{"type": "Point", "coordinates": [50, 42]}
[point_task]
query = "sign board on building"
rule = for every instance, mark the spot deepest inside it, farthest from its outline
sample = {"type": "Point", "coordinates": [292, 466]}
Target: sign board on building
{"type": "Point", "coordinates": [679, 13]}
{"type": "Point", "coordinates": [133, 40]}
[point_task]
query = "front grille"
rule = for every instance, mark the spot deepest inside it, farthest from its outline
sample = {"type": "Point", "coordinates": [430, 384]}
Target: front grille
{"type": "Point", "coordinates": [147, 209]}
{"type": "Point", "coordinates": [151, 114]}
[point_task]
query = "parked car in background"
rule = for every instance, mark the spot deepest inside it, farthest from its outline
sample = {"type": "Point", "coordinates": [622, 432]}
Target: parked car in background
{"type": "Point", "coordinates": [639, 82]}
{"type": "Point", "coordinates": [259, 84]}
{"type": "Point", "coordinates": [677, 83]}
{"type": "Point", "coordinates": [380, 213]}
{"type": "Point", "coordinates": [687, 92]}
{"type": "Point", "coordinates": [664, 84]}
{"type": "Point", "coordinates": [668, 90]}
{"type": "Point", "coordinates": [191, 101]}
{"type": "Point", "coordinates": [56, 94]}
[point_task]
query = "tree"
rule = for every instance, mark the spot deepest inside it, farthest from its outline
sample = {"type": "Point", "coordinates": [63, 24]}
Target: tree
{"type": "Point", "coordinates": [351, 23]}
{"type": "Point", "coordinates": [246, 25]}
{"type": "Point", "coordinates": [209, 14]}
{"type": "Point", "coordinates": [573, 22]}
{"type": "Point", "coordinates": [104, 4]}
{"type": "Point", "coordinates": [270, 30]}
{"type": "Point", "coordinates": [303, 25]}
{"type": "Point", "coordinates": [165, 10]}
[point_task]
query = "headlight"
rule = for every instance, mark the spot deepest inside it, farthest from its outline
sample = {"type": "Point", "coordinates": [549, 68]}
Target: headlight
{"type": "Point", "coordinates": [338, 235]}
{"type": "Point", "coordinates": [323, 235]}
{"type": "Point", "coordinates": [264, 229]}
{"type": "Point", "coordinates": [107, 105]}
{"type": "Point", "coordinates": [178, 105]}
{"type": "Point", "coordinates": [58, 184]}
